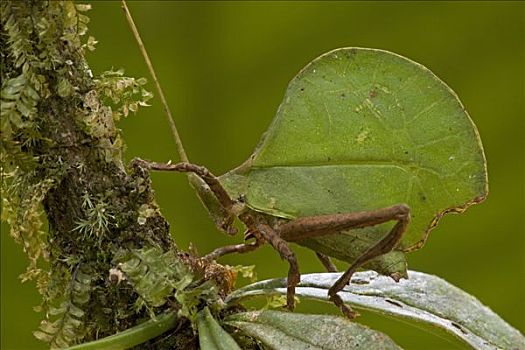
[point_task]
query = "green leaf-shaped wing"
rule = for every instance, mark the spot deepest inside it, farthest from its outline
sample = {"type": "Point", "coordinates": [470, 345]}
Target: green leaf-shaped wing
{"type": "Point", "coordinates": [361, 129]}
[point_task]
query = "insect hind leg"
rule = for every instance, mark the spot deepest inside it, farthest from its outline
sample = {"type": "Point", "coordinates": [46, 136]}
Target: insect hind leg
{"type": "Point", "coordinates": [327, 262]}
{"type": "Point", "coordinates": [401, 213]}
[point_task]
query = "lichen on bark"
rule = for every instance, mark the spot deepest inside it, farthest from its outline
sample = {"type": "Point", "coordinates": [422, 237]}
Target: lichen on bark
{"type": "Point", "coordinates": [61, 159]}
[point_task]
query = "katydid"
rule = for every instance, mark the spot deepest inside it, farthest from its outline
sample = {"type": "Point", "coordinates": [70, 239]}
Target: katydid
{"type": "Point", "coordinates": [278, 233]}
{"type": "Point", "coordinates": [359, 133]}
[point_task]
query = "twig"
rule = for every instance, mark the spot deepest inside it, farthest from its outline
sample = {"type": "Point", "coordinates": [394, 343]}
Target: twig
{"type": "Point", "coordinates": [175, 133]}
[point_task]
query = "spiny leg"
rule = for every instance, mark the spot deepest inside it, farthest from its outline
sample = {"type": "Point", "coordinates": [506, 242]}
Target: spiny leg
{"type": "Point", "coordinates": [225, 200]}
{"type": "Point", "coordinates": [385, 245]}
{"type": "Point", "coordinates": [234, 248]}
{"type": "Point", "coordinates": [317, 226]}
{"type": "Point", "coordinates": [287, 254]}
{"type": "Point", "coordinates": [226, 224]}
{"type": "Point", "coordinates": [321, 225]}
{"type": "Point", "coordinates": [211, 180]}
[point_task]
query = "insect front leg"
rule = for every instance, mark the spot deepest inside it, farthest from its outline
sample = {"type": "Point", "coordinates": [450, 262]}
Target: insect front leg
{"type": "Point", "coordinates": [223, 199]}
{"type": "Point", "coordinates": [234, 248]}
{"type": "Point", "coordinates": [316, 226]}
{"type": "Point", "coordinates": [209, 189]}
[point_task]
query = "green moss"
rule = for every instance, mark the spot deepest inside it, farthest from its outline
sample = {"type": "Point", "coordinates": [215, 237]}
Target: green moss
{"type": "Point", "coordinates": [61, 159]}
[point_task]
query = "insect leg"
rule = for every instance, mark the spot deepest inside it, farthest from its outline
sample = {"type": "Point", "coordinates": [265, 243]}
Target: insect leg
{"type": "Point", "coordinates": [234, 248]}
{"type": "Point", "coordinates": [210, 179]}
{"type": "Point", "coordinates": [286, 254]}
{"type": "Point", "coordinates": [385, 245]}
{"type": "Point", "coordinates": [223, 209]}
{"type": "Point", "coordinates": [327, 262]}
{"type": "Point", "coordinates": [316, 226]}
{"type": "Point", "coordinates": [320, 225]}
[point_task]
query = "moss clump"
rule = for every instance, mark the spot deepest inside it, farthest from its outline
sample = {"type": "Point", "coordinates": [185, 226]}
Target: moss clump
{"type": "Point", "coordinates": [61, 159]}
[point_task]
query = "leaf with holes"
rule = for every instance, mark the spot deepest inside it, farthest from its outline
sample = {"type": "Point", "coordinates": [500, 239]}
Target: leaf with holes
{"type": "Point", "coordinates": [360, 129]}
{"type": "Point", "coordinates": [422, 299]}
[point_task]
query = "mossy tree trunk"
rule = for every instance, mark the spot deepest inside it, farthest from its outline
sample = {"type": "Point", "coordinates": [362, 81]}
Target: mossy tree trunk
{"type": "Point", "coordinates": [60, 148]}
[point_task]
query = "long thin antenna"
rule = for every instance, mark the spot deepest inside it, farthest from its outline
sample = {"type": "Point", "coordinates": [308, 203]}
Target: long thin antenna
{"type": "Point", "coordinates": [221, 216]}
{"type": "Point", "coordinates": [174, 131]}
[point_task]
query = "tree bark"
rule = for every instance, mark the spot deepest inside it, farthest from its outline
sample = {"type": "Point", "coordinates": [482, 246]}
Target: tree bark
{"type": "Point", "coordinates": [60, 147]}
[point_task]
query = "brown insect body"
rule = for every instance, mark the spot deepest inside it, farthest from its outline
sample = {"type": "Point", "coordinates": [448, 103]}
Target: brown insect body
{"type": "Point", "coordinates": [265, 229]}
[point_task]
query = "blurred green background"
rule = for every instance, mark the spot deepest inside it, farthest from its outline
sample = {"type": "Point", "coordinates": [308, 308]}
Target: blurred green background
{"type": "Point", "coordinates": [224, 67]}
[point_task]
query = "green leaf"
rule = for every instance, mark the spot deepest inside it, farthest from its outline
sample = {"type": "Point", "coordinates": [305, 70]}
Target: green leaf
{"type": "Point", "coordinates": [64, 324]}
{"type": "Point", "coordinates": [360, 129]}
{"type": "Point", "coordinates": [133, 336]}
{"type": "Point", "coordinates": [285, 330]}
{"type": "Point", "coordinates": [211, 334]}
{"type": "Point", "coordinates": [423, 298]}
{"type": "Point", "coordinates": [153, 273]}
